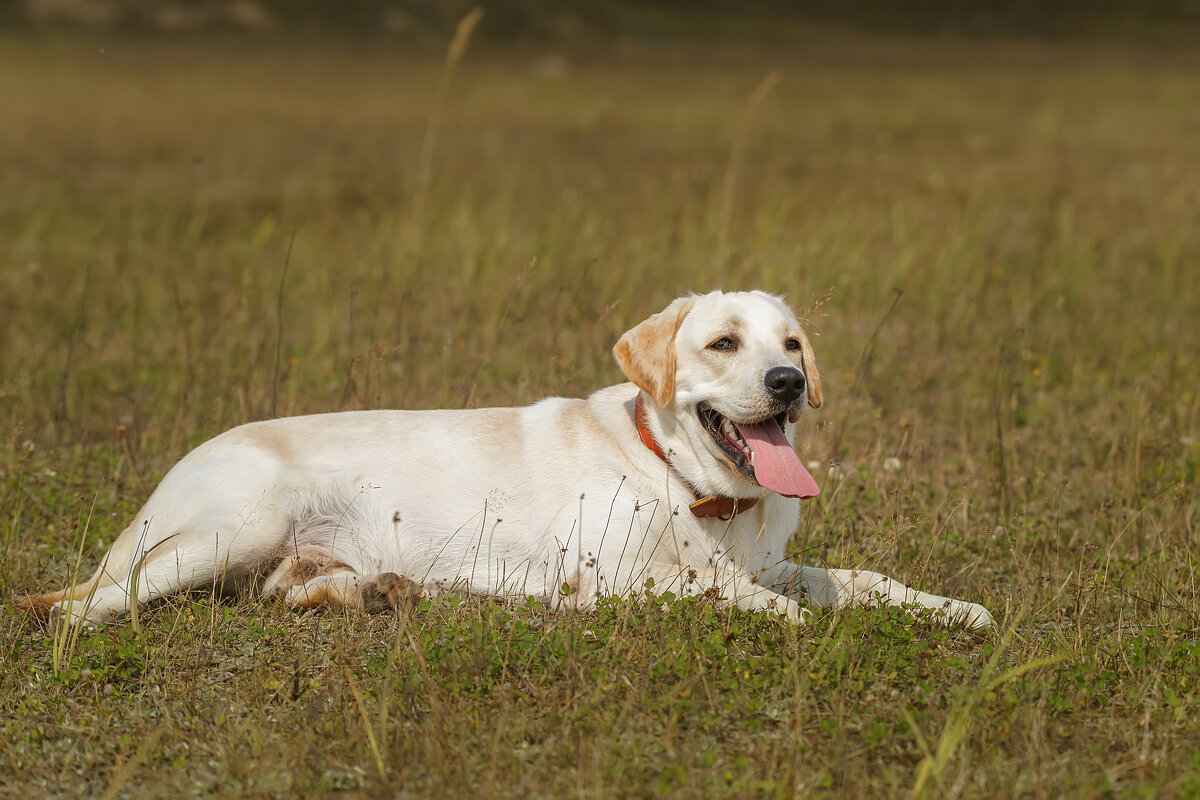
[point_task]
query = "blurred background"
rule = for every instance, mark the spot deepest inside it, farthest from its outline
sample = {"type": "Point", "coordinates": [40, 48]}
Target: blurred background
{"type": "Point", "coordinates": [662, 20]}
{"type": "Point", "coordinates": [988, 214]}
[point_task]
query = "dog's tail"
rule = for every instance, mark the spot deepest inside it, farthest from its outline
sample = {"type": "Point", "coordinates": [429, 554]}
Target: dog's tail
{"type": "Point", "coordinates": [115, 565]}
{"type": "Point", "coordinates": [40, 605]}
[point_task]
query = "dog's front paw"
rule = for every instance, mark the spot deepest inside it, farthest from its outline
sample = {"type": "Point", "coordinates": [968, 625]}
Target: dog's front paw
{"type": "Point", "coordinates": [787, 607]}
{"type": "Point", "coordinates": [969, 615]}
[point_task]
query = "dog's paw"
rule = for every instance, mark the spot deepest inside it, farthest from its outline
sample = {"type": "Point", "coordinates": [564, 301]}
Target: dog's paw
{"type": "Point", "coordinates": [387, 591]}
{"type": "Point", "coordinates": [78, 614]}
{"type": "Point", "coordinates": [800, 615]}
{"type": "Point", "coordinates": [787, 607]}
{"type": "Point", "coordinates": [971, 616]}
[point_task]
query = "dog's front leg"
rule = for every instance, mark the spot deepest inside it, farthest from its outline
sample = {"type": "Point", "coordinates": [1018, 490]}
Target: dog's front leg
{"type": "Point", "coordinates": [727, 587]}
{"type": "Point", "coordinates": [837, 588]}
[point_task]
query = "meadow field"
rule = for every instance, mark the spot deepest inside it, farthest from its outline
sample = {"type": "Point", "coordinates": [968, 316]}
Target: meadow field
{"type": "Point", "coordinates": [997, 247]}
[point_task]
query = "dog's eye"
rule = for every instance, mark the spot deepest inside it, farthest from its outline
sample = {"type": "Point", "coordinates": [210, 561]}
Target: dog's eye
{"type": "Point", "coordinates": [724, 344]}
{"type": "Point", "coordinates": [792, 344]}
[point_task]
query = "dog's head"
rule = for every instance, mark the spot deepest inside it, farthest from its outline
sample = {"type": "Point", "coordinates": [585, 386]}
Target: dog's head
{"type": "Point", "coordinates": [731, 374]}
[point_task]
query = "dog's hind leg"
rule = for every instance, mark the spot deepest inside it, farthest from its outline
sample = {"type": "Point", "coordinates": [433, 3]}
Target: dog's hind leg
{"type": "Point", "coordinates": [219, 514]}
{"type": "Point", "coordinates": [198, 555]}
{"type": "Point", "coordinates": [116, 562]}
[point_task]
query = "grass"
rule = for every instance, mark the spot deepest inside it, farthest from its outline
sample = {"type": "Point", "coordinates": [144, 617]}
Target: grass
{"type": "Point", "coordinates": [193, 234]}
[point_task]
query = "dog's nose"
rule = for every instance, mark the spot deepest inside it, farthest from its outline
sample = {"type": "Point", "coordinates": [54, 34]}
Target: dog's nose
{"type": "Point", "coordinates": [784, 383]}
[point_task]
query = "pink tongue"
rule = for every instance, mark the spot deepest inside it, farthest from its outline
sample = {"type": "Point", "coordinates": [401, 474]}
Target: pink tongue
{"type": "Point", "coordinates": [776, 465]}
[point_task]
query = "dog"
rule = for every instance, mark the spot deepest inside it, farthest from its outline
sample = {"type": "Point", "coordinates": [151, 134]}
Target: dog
{"type": "Point", "coordinates": [683, 480]}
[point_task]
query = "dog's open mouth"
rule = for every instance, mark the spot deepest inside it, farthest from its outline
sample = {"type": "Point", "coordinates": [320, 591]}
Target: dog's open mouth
{"type": "Point", "coordinates": [760, 452]}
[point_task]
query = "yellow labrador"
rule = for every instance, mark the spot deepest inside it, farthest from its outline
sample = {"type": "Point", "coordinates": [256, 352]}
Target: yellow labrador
{"type": "Point", "coordinates": [684, 479]}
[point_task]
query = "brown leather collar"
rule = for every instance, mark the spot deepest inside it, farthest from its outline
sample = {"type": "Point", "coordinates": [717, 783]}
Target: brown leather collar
{"type": "Point", "coordinates": [711, 506]}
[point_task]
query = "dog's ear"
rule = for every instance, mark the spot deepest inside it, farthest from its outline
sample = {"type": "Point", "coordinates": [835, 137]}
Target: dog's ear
{"type": "Point", "coordinates": [646, 353]}
{"type": "Point", "coordinates": [811, 377]}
